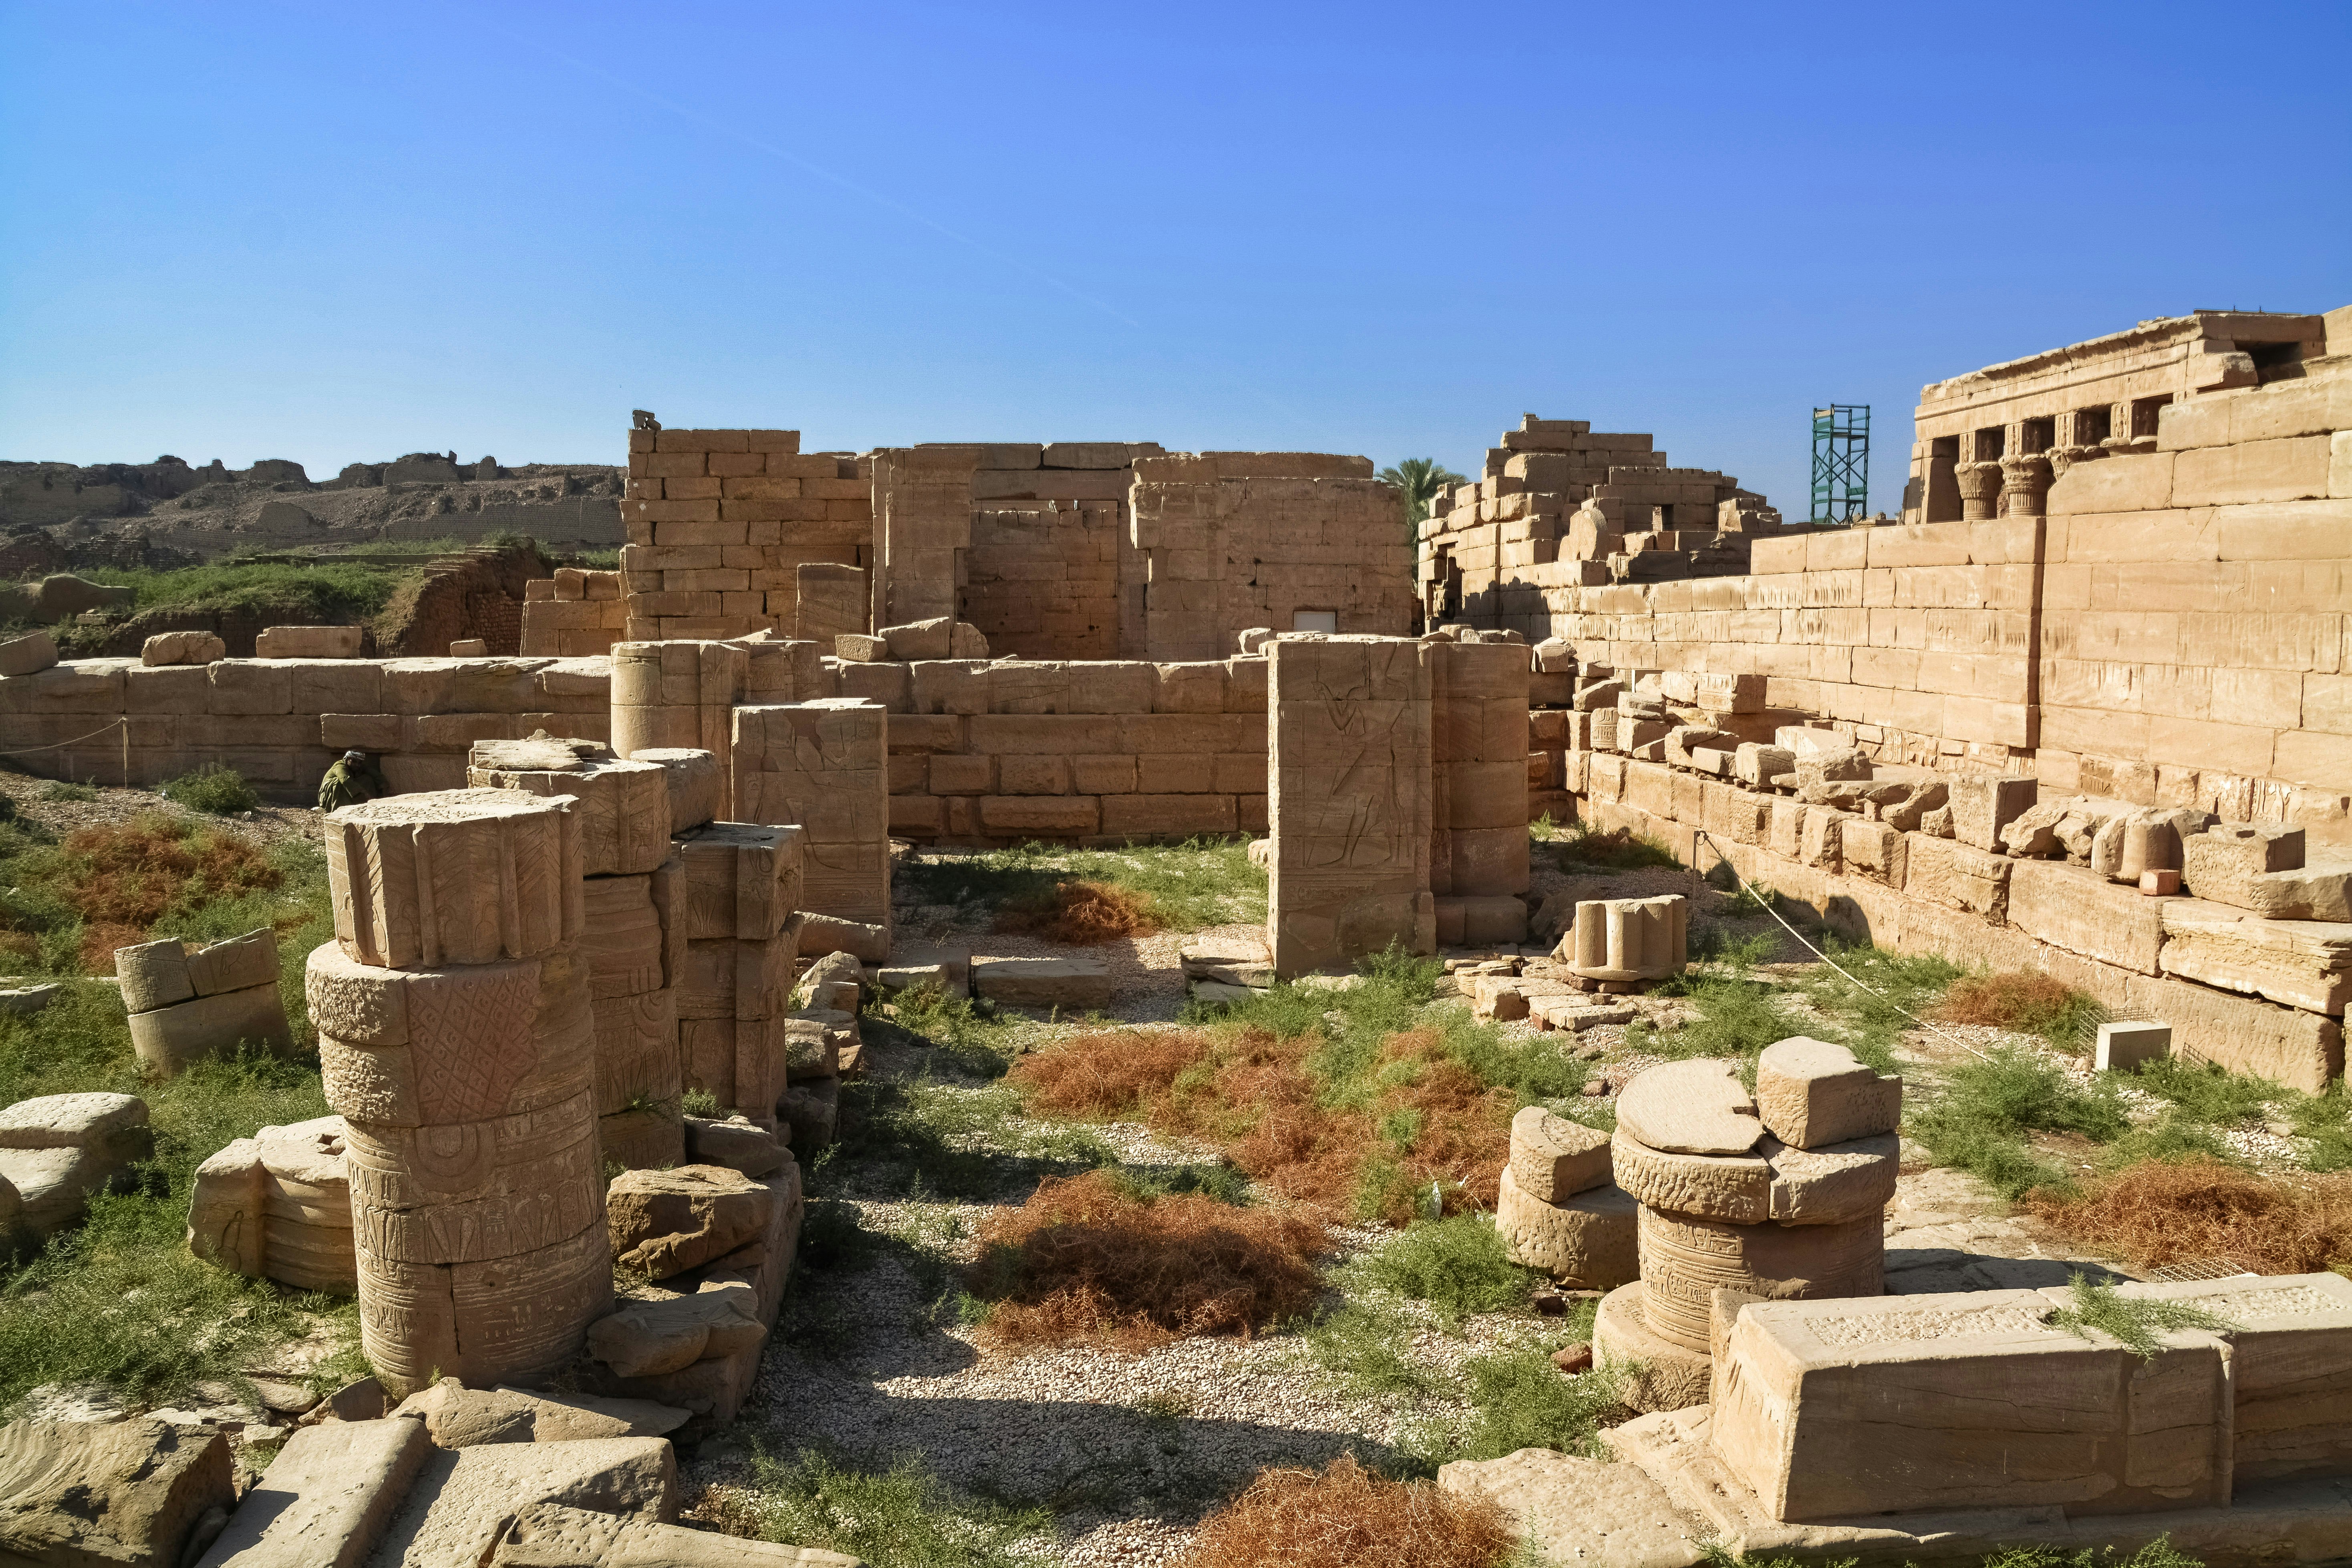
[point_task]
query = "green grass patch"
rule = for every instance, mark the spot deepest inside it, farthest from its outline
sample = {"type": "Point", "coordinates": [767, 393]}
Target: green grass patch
{"type": "Point", "coordinates": [2131, 1321]}
{"type": "Point", "coordinates": [66, 790]}
{"type": "Point", "coordinates": [2205, 1092]}
{"type": "Point", "coordinates": [331, 592]}
{"type": "Point", "coordinates": [216, 789]}
{"type": "Point", "coordinates": [901, 1518]}
{"type": "Point", "coordinates": [1739, 1012]}
{"type": "Point", "coordinates": [1519, 1400]}
{"type": "Point", "coordinates": [1142, 1183]}
{"type": "Point", "coordinates": [972, 1037]}
{"type": "Point", "coordinates": [1580, 848]}
{"type": "Point", "coordinates": [1458, 1266]}
{"type": "Point", "coordinates": [1200, 882]}
{"type": "Point", "coordinates": [959, 1142]}
{"type": "Point", "coordinates": [1893, 988]}
{"type": "Point", "coordinates": [1979, 1118]}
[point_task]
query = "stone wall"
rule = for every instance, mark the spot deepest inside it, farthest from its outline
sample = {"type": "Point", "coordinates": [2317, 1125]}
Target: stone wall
{"type": "Point", "coordinates": [1044, 583]}
{"type": "Point", "coordinates": [1237, 540]}
{"type": "Point", "coordinates": [573, 613]}
{"type": "Point", "coordinates": [719, 521]}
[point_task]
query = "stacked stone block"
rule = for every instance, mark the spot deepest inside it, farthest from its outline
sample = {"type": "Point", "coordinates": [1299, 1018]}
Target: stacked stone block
{"type": "Point", "coordinates": [282, 722]}
{"type": "Point", "coordinates": [574, 614]}
{"type": "Point", "coordinates": [278, 1205]}
{"type": "Point", "coordinates": [1349, 801]}
{"type": "Point", "coordinates": [923, 524]}
{"type": "Point", "coordinates": [1238, 540]}
{"type": "Point", "coordinates": [676, 696]}
{"type": "Point", "coordinates": [823, 766]}
{"type": "Point", "coordinates": [457, 1040]}
{"type": "Point", "coordinates": [1043, 584]}
{"type": "Point", "coordinates": [629, 939]}
{"type": "Point", "coordinates": [1775, 1196]}
{"type": "Point", "coordinates": [740, 886]}
{"type": "Point", "coordinates": [1559, 1210]}
{"type": "Point", "coordinates": [1478, 722]}
{"type": "Point", "coordinates": [1624, 942]}
{"type": "Point", "coordinates": [720, 521]}
{"type": "Point", "coordinates": [187, 1003]}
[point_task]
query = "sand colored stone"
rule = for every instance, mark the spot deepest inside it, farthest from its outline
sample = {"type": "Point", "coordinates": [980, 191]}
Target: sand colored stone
{"type": "Point", "coordinates": [1811, 1093]}
{"type": "Point", "coordinates": [1684, 1259]}
{"type": "Point", "coordinates": [1697, 1106]}
{"type": "Point", "coordinates": [823, 766]}
{"type": "Point", "coordinates": [278, 1205]}
{"type": "Point", "coordinates": [1553, 1158]}
{"type": "Point", "coordinates": [622, 806]}
{"type": "Point", "coordinates": [122, 1492]}
{"type": "Point", "coordinates": [1586, 1239]}
{"type": "Point", "coordinates": [665, 1222]}
{"type": "Point", "coordinates": [456, 876]}
{"type": "Point", "coordinates": [1629, 939]}
{"type": "Point", "coordinates": [462, 1497]}
{"type": "Point", "coordinates": [326, 1498]}
{"type": "Point", "coordinates": [1663, 1372]}
{"type": "Point", "coordinates": [548, 1535]}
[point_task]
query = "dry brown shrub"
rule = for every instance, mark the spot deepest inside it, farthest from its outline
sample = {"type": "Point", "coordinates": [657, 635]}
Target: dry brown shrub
{"type": "Point", "coordinates": [2020, 999]}
{"type": "Point", "coordinates": [99, 940]}
{"type": "Point", "coordinates": [1081, 1262]}
{"type": "Point", "coordinates": [1108, 1073]}
{"type": "Point", "coordinates": [133, 874]}
{"type": "Point", "coordinates": [2155, 1213]}
{"type": "Point", "coordinates": [1347, 1517]}
{"type": "Point", "coordinates": [1085, 914]}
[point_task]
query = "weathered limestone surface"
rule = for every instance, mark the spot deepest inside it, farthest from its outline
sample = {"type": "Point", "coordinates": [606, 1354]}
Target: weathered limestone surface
{"type": "Point", "coordinates": [1553, 1158]}
{"type": "Point", "coordinates": [456, 876]}
{"type": "Point", "coordinates": [1586, 1239]}
{"type": "Point", "coordinates": [126, 1491]}
{"type": "Point", "coordinates": [1811, 1093]}
{"type": "Point", "coordinates": [1697, 1107]}
{"type": "Point", "coordinates": [1585, 1510]}
{"type": "Point", "coordinates": [622, 806]}
{"type": "Point", "coordinates": [326, 1498]}
{"type": "Point", "coordinates": [57, 1149]}
{"type": "Point", "coordinates": [461, 1496]}
{"type": "Point", "coordinates": [278, 1205]}
{"type": "Point", "coordinates": [1350, 800]}
{"type": "Point", "coordinates": [548, 1535]}
{"type": "Point", "coordinates": [824, 767]}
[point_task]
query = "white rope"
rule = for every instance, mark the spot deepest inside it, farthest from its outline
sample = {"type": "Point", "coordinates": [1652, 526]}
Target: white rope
{"type": "Point", "coordinates": [1766, 904]}
{"type": "Point", "coordinates": [74, 741]}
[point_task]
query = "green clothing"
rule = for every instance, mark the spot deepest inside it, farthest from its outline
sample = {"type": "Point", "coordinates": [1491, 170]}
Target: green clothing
{"type": "Point", "coordinates": [350, 783]}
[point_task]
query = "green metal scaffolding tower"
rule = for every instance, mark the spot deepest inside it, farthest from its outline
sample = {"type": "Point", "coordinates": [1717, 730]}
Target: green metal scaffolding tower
{"type": "Point", "coordinates": [1841, 462]}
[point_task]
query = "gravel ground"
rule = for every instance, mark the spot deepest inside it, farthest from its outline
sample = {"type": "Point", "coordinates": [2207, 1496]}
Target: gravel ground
{"type": "Point", "coordinates": [266, 825]}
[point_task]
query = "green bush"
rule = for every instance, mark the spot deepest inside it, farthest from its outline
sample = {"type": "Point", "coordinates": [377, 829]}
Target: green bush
{"type": "Point", "coordinates": [216, 788]}
{"type": "Point", "coordinates": [1978, 1119]}
{"type": "Point", "coordinates": [66, 789]}
{"type": "Point", "coordinates": [903, 1518]}
{"type": "Point", "coordinates": [1457, 1264]}
{"type": "Point", "coordinates": [1519, 1400]}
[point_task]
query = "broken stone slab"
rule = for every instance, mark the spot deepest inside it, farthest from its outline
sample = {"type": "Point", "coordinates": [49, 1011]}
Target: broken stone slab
{"type": "Point", "coordinates": [131, 1492]}
{"type": "Point", "coordinates": [29, 654]}
{"type": "Point", "coordinates": [734, 1143]}
{"type": "Point", "coordinates": [2304, 963]}
{"type": "Point", "coordinates": [667, 1222]}
{"type": "Point", "coordinates": [622, 805]}
{"type": "Point", "coordinates": [326, 1499]}
{"type": "Point", "coordinates": [697, 783]}
{"type": "Point", "coordinates": [814, 1038]}
{"type": "Point", "coordinates": [455, 1417]}
{"type": "Point", "coordinates": [1553, 1158]}
{"type": "Point", "coordinates": [548, 1535]}
{"type": "Point", "coordinates": [57, 1150]}
{"type": "Point", "coordinates": [26, 1000]}
{"type": "Point", "coordinates": [1812, 1093]}
{"type": "Point", "coordinates": [153, 974]}
{"type": "Point", "coordinates": [827, 934]}
{"type": "Point", "coordinates": [1588, 1239]}
{"type": "Point", "coordinates": [181, 647]}
{"type": "Point", "coordinates": [1241, 960]}
{"type": "Point", "coordinates": [234, 963]}
{"type": "Point", "coordinates": [1758, 765]}
{"type": "Point", "coordinates": [168, 1038]}
{"type": "Point", "coordinates": [463, 1497]}
{"type": "Point", "coordinates": [644, 1338]}
{"type": "Point", "coordinates": [1038, 983]}
{"type": "Point", "coordinates": [1697, 1107]}
{"type": "Point", "coordinates": [278, 1205]}
{"type": "Point", "coordinates": [1590, 1512]}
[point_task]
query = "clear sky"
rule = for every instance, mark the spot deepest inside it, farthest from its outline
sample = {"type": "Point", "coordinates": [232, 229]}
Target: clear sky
{"type": "Point", "coordinates": [336, 232]}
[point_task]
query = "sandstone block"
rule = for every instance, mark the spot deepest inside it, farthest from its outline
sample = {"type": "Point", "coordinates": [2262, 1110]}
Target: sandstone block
{"type": "Point", "coordinates": [1690, 1108]}
{"type": "Point", "coordinates": [743, 881]}
{"type": "Point", "coordinates": [646, 1339]}
{"type": "Point", "coordinates": [2304, 963]}
{"type": "Point", "coordinates": [2222, 863]}
{"type": "Point", "coordinates": [326, 1499]}
{"type": "Point", "coordinates": [27, 655]}
{"type": "Point", "coordinates": [307, 642]}
{"type": "Point", "coordinates": [1068, 983]}
{"type": "Point", "coordinates": [168, 1038]}
{"type": "Point", "coordinates": [697, 785]}
{"type": "Point", "coordinates": [2286, 1045]}
{"type": "Point", "coordinates": [126, 1492]}
{"type": "Point", "coordinates": [548, 1535]}
{"type": "Point", "coordinates": [463, 1497]}
{"type": "Point", "coordinates": [665, 1222]}
{"type": "Point", "coordinates": [1586, 1239]}
{"type": "Point", "coordinates": [623, 806]}
{"type": "Point", "coordinates": [234, 963]}
{"type": "Point", "coordinates": [2079, 910]}
{"type": "Point", "coordinates": [1553, 1158]}
{"type": "Point", "coordinates": [2124, 1044]}
{"type": "Point", "coordinates": [456, 876]}
{"type": "Point", "coordinates": [1811, 1093]}
{"type": "Point", "coordinates": [153, 974]}
{"type": "Point", "coordinates": [734, 1143]}
{"type": "Point", "coordinates": [179, 648]}
{"type": "Point", "coordinates": [278, 1205]}
{"type": "Point", "coordinates": [1983, 804]}
{"type": "Point", "coordinates": [1878, 850]}
{"type": "Point", "coordinates": [1664, 1373]}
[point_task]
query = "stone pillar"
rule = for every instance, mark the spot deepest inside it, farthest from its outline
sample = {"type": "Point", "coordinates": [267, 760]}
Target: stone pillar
{"type": "Point", "coordinates": [1478, 772]}
{"type": "Point", "coordinates": [631, 881]}
{"type": "Point", "coordinates": [740, 886]}
{"type": "Point", "coordinates": [922, 501]}
{"type": "Point", "coordinates": [676, 694]}
{"type": "Point", "coordinates": [456, 1041]}
{"type": "Point", "coordinates": [2024, 482]}
{"type": "Point", "coordinates": [823, 765]}
{"type": "Point", "coordinates": [1980, 491]}
{"type": "Point", "coordinates": [1774, 1195]}
{"type": "Point", "coordinates": [1349, 802]}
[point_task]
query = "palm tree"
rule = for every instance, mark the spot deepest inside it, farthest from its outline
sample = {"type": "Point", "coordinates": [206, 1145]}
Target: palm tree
{"type": "Point", "coordinates": [1420, 479]}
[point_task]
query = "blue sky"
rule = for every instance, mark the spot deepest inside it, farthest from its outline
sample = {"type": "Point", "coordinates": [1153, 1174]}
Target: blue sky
{"type": "Point", "coordinates": [336, 232]}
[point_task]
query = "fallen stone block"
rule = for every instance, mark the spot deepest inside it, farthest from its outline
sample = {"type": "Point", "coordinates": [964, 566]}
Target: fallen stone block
{"type": "Point", "coordinates": [1587, 1239]}
{"type": "Point", "coordinates": [455, 1417]}
{"type": "Point", "coordinates": [26, 1000]}
{"type": "Point", "coordinates": [1552, 1158]}
{"type": "Point", "coordinates": [1068, 983]}
{"type": "Point", "coordinates": [29, 654]}
{"type": "Point", "coordinates": [826, 933]}
{"type": "Point", "coordinates": [1584, 1511]}
{"type": "Point", "coordinates": [165, 648]}
{"type": "Point", "coordinates": [2304, 963]}
{"type": "Point", "coordinates": [1661, 1373]}
{"type": "Point", "coordinates": [58, 1148]}
{"type": "Point", "coordinates": [667, 1222]}
{"type": "Point", "coordinates": [548, 1535]}
{"type": "Point", "coordinates": [307, 642]}
{"type": "Point", "coordinates": [326, 1499]}
{"type": "Point", "coordinates": [811, 1111]}
{"type": "Point", "coordinates": [1234, 960]}
{"type": "Point", "coordinates": [130, 1492]}
{"type": "Point", "coordinates": [2222, 862]}
{"type": "Point", "coordinates": [856, 647]}
{"type": "Point", "coordinates": [734, 1143]}
{"type": "Point", "coordinates": [1758, 765]}
{"type": "Point", "coordinates": [622, 805]}
{"type": "Point", "coordinates": [462, 1497]}
{"type": "Point", "coordinates": [469, 648]}
{"type": "Point", "coordinates": [647, 1338]}
{"type": "Point", "coordinates": [278, 1205]}
{"type": "Point", "coordinates": [1811, 1093]}
{"type": "Point", "coordinates": [168, 1038]}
